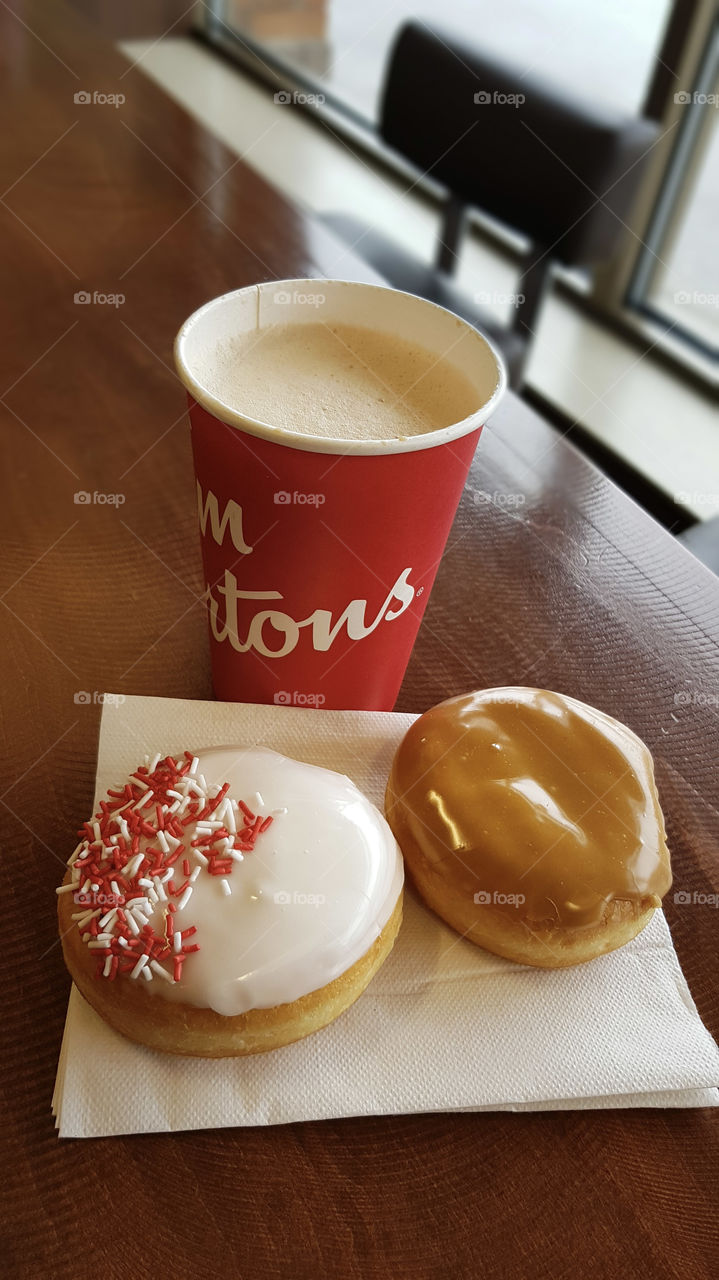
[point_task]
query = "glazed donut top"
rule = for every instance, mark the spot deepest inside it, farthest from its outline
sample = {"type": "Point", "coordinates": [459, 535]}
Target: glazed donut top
{"type": "Point", "coordinates": [545, 803]}
{"type": "Point", "coordinates": [244, 879]}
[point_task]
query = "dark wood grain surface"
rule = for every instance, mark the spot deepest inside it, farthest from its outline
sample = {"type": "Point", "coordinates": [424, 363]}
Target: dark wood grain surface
{"type": "Point", "coordinates": [551, 577]}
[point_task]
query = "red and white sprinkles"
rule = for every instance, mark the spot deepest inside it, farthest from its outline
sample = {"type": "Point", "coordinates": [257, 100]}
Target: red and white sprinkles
{"type": "Point", "coordinates": [140, 857]}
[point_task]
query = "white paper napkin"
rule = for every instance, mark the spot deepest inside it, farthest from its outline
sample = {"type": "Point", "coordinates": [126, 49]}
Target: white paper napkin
{"type": "Point", "coordinates": [443, 1027]}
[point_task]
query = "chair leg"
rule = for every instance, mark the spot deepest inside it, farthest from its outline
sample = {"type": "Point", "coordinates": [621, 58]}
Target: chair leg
{"type": "Point", "coordinates": [532, 287]}
{"type": "Point", "coordinates": [534, 279]}
{"type": "Point", "coordinates": [451, 234]}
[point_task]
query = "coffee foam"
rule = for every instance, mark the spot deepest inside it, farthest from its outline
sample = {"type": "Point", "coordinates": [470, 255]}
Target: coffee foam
{"type": "Point", "coordinates": [339, 381]}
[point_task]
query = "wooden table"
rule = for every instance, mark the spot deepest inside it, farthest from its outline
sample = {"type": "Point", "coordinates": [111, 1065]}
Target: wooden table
{"type": "Point", "coordinates": [568, 585]}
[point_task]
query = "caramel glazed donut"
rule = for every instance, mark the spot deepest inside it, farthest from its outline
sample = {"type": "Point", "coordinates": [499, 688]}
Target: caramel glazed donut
{"type": "Point", "coordinates": [229, 902]}
{"type": "Point", "coordinates": [530, 822]}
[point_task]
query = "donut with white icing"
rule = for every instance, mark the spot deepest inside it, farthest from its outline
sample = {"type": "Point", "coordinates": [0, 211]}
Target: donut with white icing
{"type": "Point", "coordinates": [229, 902]}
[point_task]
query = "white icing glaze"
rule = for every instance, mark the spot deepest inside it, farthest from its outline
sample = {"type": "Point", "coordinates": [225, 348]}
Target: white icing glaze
{"type": "Point", "coordinates": [305, 904]}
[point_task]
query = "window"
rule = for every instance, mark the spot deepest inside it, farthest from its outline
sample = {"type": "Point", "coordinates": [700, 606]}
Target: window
{"type": "Point", "coordinates": [623, 55]}
{"type": "Point", "coordinates": [677, 277]}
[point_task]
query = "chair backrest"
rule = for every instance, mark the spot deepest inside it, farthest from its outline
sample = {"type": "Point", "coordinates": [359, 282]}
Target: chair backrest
{"type": "Point", "coordinates": [563, 172]}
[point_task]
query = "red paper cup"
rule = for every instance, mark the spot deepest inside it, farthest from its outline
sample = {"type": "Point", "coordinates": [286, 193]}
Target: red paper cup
{"type": "Point", "coordinates": [319, 554]}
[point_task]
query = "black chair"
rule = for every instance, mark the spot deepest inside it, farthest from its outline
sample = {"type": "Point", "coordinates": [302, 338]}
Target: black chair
{"type": "Point", "coordinates": [561, 172]}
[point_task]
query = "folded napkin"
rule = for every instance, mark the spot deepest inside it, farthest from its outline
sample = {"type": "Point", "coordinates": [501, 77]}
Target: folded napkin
{"type": "Point", "coordinates": [444, 1026]}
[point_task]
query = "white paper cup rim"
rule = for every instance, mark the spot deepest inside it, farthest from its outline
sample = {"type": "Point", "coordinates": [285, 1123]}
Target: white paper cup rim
{"type": "Point", "coordinates": [324, 444]}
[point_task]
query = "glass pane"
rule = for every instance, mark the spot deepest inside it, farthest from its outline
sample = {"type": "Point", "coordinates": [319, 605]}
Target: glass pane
{"type": "Point", "coordinates": [604, 51]}
{"type": "Point", "coordinates": [685, 284]}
